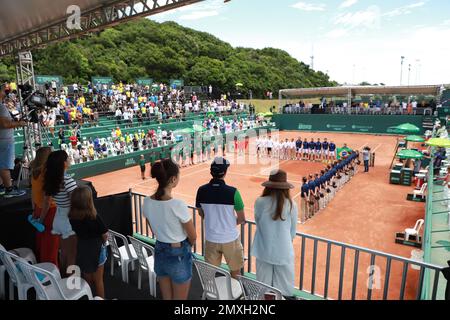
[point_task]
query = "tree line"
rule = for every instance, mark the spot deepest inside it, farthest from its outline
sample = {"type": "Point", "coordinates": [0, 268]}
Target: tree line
{"type": "Point", "coordinates": [165, 51]}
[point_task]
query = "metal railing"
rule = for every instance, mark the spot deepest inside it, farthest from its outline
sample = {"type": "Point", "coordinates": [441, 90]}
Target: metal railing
{"type": "Point", "coordinates": [322, 265]}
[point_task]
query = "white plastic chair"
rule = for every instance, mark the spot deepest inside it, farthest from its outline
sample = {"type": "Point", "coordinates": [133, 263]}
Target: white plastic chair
{"type": "Point", "coordinates": [58, 289]}
{"type": "Point", "coordinates": [415, 231]}
{"type": "Point", "coordinates": [217, 288]}
{"type": "Point", "coordinates": [421, 192]}
{"type": "Point", "coordinates": [25, 253]}
{"type": "Point", "coordinates": [146, 263]}
{"type": "Point", "coordinates": [125, 254]}
{"type": "Point", "coordinates": [255, 290]}
{"type": "Point", "coordinates": [16, 275]}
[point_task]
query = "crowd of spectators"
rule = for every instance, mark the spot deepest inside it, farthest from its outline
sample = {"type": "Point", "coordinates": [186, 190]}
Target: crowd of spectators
{"type": "Point", "coordinates": [373, 107]}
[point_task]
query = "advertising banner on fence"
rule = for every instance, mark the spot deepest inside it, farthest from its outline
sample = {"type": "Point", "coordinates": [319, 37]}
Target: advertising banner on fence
{"type": "Point", "coordinates": [41, 80]}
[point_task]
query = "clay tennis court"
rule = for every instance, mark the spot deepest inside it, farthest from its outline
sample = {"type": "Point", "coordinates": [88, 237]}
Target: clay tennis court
{"type": "Point", "coordinates": [367, 212]}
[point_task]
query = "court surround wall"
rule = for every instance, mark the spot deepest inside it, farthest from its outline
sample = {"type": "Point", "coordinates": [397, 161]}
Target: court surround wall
{"type": "Point", "coordinates": [344, 123]}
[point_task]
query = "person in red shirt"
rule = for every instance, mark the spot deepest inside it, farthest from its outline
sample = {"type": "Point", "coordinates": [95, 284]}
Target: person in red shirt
{"type": "Point", "coordinates": [73, 140]}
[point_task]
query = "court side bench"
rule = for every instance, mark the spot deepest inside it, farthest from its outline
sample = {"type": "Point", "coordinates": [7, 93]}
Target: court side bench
{"type": "Point", "coordinates": [302, 295]}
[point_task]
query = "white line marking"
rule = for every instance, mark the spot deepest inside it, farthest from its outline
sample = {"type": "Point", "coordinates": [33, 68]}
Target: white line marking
{"type": "Point", "coordinates": [379, 145]}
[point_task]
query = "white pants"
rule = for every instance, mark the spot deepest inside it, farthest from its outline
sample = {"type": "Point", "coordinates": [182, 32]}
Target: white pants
{"type": "Point", "coordinates": [281, 277]}
{"type": "Point", "coordinates": [61, 223]}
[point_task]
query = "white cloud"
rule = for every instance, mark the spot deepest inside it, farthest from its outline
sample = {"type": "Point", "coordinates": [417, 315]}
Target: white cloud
{"type": "Point", "coordinates": [337, 33]}
{"type": "Point", "coordinates": [348, 3]}
{"type": "Point", "coordinates": [309, 6]}
{"type": "Point", "coordinates": [405, 9]}
{"type": "Point", "coordinates": [199, 15]}
{"type": "Point", "coordinates": [369, 18]}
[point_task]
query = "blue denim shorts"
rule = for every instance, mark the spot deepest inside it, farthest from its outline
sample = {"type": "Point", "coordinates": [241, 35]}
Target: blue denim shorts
{"type": "Point", "coordinates": [7, 155]}
{"type": "Point", "coordinates": [175, 263]}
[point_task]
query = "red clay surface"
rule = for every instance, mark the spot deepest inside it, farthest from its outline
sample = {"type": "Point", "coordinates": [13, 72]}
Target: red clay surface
{"type": "Point", "coordinates": [367, 212]}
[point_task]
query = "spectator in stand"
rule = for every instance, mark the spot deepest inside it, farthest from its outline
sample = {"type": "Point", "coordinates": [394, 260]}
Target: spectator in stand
{"type": "Point", "coordinates": [91, 238]}
{"type": "Point", "coordinates": [58, 186]}
{"type": "Point", "coordinates": [276, 220]}
{"type": "Point", "coordinates": [47, 244]}
{"type": "Point", "coordinates": [175, 233]}
{"type": "Point", "coordinates": [217, 203]}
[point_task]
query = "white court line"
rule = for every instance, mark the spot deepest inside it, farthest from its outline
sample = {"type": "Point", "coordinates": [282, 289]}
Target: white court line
{"type": "Point", "coordinates": [379, 145]}
{"type": "Point", "coordinates": [296, 196]}
{"type": "Point", "coordinates": [365, 144]}
{"type": "Point", "coordinates": [275, 165]}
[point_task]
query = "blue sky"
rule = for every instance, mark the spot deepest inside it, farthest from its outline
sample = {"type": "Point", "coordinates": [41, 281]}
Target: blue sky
{"type": "Point", "coordinates": [352, 40]}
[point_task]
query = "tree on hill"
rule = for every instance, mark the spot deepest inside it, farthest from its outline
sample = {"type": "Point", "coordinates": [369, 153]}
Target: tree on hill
{"type": "Point", "coordinates": [165, 51]}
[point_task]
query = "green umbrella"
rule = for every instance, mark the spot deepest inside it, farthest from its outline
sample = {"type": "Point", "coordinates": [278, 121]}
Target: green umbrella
{"type": "Point", "coordinates": [415, 139]}
{"type": "Point", "coordinates": [268, 114]}
{"type": "Point", "coordinates": [261, 114]}
{"type": "Point", "coordinates": [239, 84]}
{"type": "Point", "coordinates": [439, 142]}
{"type": "Point", "coordinates": [410, 154]}
{"type": "Point", "coordinates": [407, 128]}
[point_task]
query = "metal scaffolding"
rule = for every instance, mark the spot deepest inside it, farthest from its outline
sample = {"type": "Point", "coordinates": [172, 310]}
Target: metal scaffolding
{"type": "Point", "coordinates": [102, 16]}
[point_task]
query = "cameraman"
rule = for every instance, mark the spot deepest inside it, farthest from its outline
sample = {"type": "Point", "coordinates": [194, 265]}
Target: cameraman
{"type": "Point", "coordinates": [7, 126]}
{"type": "Point", "coordinates": [366, 158]}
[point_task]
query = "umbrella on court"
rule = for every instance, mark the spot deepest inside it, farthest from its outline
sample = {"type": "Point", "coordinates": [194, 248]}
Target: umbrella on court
{"type": "Point", "coordinates": [407, 128]}
{"type": "Point", "coordinates": [415, 139]}
{"type": "Point", "coordinates": [439, 142]}
{"type": "Point", "coordinates": [410, 154]}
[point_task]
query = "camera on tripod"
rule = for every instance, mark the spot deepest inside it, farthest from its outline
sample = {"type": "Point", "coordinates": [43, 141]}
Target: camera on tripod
{"type": "Point", "coordinates": [34, 100]}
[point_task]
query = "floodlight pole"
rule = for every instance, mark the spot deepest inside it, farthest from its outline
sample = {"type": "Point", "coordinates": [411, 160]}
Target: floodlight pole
{"type": "Point", "coordinates": [401, 70]}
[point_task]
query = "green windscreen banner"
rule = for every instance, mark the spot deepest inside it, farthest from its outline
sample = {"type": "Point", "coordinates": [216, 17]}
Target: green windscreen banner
{"type": "Point", "coordinates": [41, 80]}
{"type": "Point", "coordinates": [144, 81]}
{"type": "Point", "coordinates": [102, 80]}
{"type": "Point", "coordinates": [176, 83]}
{"type": "Point", "coordinates": [381, 124]}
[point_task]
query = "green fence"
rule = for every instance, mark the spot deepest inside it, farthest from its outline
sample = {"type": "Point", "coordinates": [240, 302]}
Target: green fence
{"type": "Point", "coordinates": [94, 168]}
{"type": "Point", "coordinates": [344, 123]}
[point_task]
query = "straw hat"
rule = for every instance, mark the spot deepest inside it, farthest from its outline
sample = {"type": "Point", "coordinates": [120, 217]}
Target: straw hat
{"type": "Point", "coordinates": [278, 180]}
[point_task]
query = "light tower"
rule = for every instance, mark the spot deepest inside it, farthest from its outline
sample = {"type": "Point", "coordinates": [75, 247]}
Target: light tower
{"type": "Point", "coordinates": [401, 70]}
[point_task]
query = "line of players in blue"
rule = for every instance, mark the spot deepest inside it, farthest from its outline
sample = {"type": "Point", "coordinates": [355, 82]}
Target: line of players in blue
{"type": "Point", "coordinates": [319, 189]}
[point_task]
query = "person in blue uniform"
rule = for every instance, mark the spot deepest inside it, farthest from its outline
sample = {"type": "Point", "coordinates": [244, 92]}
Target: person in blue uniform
{"type": "Point", "coordinates": [304, 201]}
{"type": "Point", "coordinates": [311, 195]}
{"type": "Point", "coordinates": [298, 148]}
{"type": "Point", "coordinates": [332, 150]}
{"type": "Point", "coordinates": [312, 149]}
{"type": "Point", "coordinates": [305, 149]}
{"type": "Point", "coordinates": [325, 146]}
{"type": "Point", "coordinates": [318, 150]}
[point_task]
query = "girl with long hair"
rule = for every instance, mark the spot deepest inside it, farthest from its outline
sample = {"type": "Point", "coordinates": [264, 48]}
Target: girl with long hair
{"type": "Point", "coordinates": [58, 187]}
{"type": "Point", "coordinates": [276, 221]}
{"type": "Point", "coordinates": [91, 238]}
{"type": "Point", "coordinates": [172, 225]}
{"type": "Point", "coordinates": [47, 244]}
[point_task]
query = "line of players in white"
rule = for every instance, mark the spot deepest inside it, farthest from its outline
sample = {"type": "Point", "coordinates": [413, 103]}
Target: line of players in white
{"type": "Point", "coordinates": [296, 149]}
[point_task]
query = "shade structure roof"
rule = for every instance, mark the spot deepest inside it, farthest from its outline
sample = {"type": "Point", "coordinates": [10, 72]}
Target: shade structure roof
{"type": "Point", "coordinates": [27, 24]}
{"type": "Point", "coordinates": [432, 90]}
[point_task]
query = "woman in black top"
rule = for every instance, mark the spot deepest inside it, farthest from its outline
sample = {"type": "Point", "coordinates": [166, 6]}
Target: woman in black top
{"type": "Point", "coordinates": [92, 236]}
